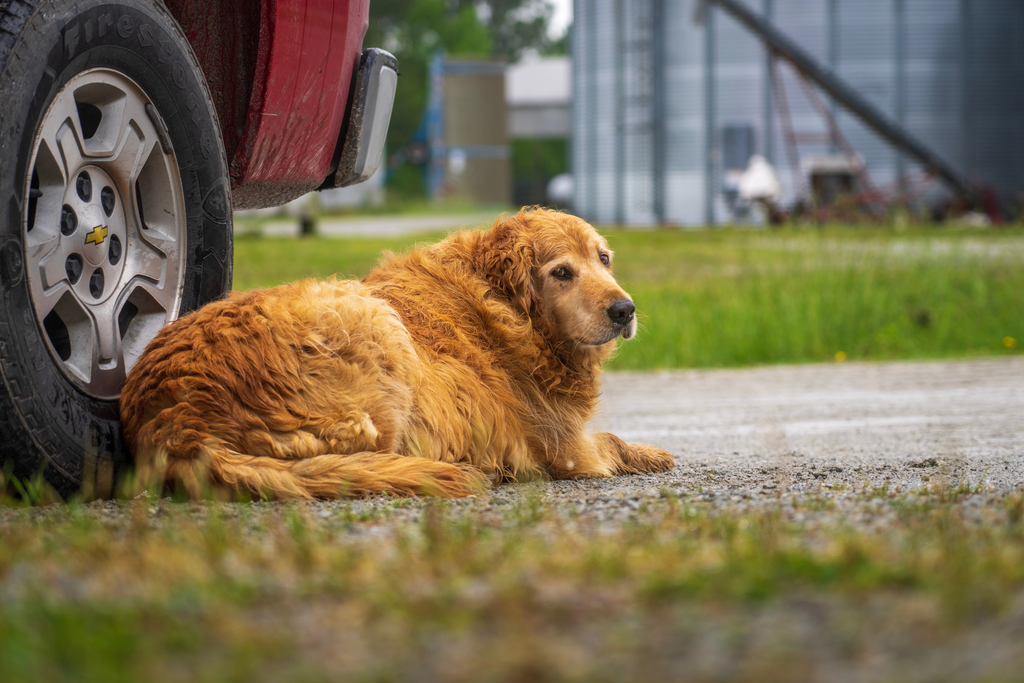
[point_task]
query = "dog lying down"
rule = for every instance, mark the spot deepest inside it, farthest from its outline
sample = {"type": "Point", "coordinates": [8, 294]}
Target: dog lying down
{"type": "Point", "coordinates": [474, 360]}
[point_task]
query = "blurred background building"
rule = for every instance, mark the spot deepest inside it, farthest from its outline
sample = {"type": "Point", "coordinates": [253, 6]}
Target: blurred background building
{"type": "Point", "coordinates": [538, 91]}
{"type": "Point", "coordinates": [672, 98]}
{"type": "Point", "coordinates": [466, 129]}
{"type": "Point", "coordinates": [452, 136]}
{"type": "Point", "coordinates": [497, 133]}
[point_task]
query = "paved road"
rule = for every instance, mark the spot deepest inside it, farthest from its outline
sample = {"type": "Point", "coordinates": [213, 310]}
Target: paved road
{"type": "Point", "coordinates": [797, 427]}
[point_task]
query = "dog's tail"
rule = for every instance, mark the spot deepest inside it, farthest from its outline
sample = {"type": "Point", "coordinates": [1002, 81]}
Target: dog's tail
{"type": "Point", "coordinates": [334, 475]}
{"type": "Point", "coordinates": [198, 460]}
{"type": "Point", "coordinates": [323, 476]}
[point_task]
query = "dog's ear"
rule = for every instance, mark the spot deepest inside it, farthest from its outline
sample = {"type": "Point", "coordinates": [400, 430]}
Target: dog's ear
{"type": "Point", "coordinates": [506, 259]}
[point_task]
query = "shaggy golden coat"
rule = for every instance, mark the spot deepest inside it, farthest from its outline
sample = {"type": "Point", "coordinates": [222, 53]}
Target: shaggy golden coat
{"type": "Point", "coordinates": [472, 360]}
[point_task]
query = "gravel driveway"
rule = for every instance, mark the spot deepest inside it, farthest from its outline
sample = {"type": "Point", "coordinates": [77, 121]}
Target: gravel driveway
{"type": "Point", "coordinates": [847, 423]}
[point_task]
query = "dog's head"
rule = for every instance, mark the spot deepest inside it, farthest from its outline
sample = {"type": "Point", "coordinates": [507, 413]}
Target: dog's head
{"type": "Point", "coordinates": [557, 267]}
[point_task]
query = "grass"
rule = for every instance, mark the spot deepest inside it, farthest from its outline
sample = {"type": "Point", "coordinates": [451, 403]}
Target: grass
{"type": "Point", "coordinates": [433, 591]}
{"type": "Point", "coordinates": [734, 298]}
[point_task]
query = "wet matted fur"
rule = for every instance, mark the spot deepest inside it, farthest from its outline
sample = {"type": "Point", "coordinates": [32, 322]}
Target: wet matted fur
{"type": "Point", "coordinates": [472, 360]}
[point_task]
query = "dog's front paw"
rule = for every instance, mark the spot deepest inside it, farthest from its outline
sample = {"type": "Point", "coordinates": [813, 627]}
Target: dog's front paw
{"type": "Point", "coordinates": [644, 458]}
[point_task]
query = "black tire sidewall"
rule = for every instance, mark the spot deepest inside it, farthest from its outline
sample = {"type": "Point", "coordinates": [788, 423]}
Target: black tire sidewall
{"type": "Point", "coordinates": [48, 423]}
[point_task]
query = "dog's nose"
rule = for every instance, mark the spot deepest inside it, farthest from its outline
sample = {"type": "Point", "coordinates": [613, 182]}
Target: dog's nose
{"type": "Point", "coordinates": [621, 312]}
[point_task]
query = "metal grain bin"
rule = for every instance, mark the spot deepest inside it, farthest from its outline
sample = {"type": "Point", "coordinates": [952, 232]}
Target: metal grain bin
{"type": "Point", "coordinates": [664, 106]}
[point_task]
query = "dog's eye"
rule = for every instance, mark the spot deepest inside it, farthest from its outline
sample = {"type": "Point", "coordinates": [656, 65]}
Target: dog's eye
{"type": "Point", "coordinates": [561, 273]}
{"type": "Point", "coordinates": [605, 260]}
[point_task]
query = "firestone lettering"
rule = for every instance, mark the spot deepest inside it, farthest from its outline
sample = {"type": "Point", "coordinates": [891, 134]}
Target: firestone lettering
{"type": "Point", "coordinates": [125, 26]}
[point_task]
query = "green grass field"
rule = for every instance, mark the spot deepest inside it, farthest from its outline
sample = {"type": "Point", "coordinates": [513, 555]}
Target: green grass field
{"type": "Point", "coordinates": [435, 591]}
{"type": "Point", "coordinates": [733, 298]}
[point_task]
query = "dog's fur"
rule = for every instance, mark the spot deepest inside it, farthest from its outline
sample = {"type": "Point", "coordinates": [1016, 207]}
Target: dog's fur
{"type": "Point", "coordinates": [473, 359]}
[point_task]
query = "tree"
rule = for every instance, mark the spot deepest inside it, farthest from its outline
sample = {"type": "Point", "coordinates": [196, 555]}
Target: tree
{"type": "Point", "coordinates": [414, 29]}
{"type": "Point", "coordinates": [517, 25]}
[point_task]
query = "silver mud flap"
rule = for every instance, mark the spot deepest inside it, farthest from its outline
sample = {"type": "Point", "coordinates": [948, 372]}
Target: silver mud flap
{"type": "Point", "coordinates": [373, 96]}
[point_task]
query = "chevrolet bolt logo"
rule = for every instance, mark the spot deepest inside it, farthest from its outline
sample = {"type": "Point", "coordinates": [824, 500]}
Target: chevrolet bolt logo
{"type": "Point", "coordinates": [96, 235]}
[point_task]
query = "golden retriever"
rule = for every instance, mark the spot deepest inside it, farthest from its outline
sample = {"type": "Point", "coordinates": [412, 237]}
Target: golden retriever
{"type": "Point", "coordinates": [474, 360]}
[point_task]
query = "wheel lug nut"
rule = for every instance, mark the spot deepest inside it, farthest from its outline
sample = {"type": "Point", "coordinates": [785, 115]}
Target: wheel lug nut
{"type": "Point", "coordinates": [84, 186]}
{"type": "Point", "coordinates": [107, 200]}
{"type": "Point", "coordinates": [68, 220]}
{"type": "Point", "coordinates": [114, 250]}
{"type": "Point", "coordinates": [73, 267]}
{"type": "Point", "coordinates": [96, 284]}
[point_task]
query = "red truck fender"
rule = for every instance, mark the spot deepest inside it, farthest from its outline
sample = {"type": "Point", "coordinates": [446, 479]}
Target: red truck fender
{"type": "Point", "coordinates": [280, 80]}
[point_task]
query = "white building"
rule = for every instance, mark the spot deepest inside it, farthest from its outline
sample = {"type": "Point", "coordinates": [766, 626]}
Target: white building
{"type": "Point", "coordinates": [538, 91]}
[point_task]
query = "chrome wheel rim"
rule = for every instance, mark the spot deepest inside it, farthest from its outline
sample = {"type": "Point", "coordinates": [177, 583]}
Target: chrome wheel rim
{"type": "Point", "coordinates": [104, 229]}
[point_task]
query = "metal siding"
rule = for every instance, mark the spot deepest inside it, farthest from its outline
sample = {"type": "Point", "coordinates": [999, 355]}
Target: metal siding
{"type": "Point", "coordinates": [740, 89]}
{"type": "Point", "coordinates": [995, 78]}
{"type": "Point", "coordinates": [637, 102]}
{"type": "Point", "coordinates": [740, 74]}
{"type": "Point", "coordinates": [867, 53]}
{"type": "Point", "coordinates": [806, 22]}
{"type": "Point", "coordinates": [1016, 177]}
{"type": "Point", "coordinates": [581, 128]}
{"type": "Point", "coordinates": [684, 115]}
{"type": "Point", "coordinates": [961, 95]}
{"type": "Point", "coordinates": [933, 74]}
{"type": "Point", "coordinates": [737, 45]}
{"type": "Point", "coordinates": [604, 168]}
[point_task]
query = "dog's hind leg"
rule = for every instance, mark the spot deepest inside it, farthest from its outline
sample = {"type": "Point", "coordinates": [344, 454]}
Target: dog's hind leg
{"type": "Point", "coordinates": [181, 443]}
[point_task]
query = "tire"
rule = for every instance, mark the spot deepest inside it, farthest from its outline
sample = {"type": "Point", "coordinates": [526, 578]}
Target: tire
{"type": "Point", "coordinates": [115, 218]}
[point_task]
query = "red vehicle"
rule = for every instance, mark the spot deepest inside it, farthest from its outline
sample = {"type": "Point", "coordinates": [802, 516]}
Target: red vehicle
{"type": "Point", "coordinates": [129, 129]}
